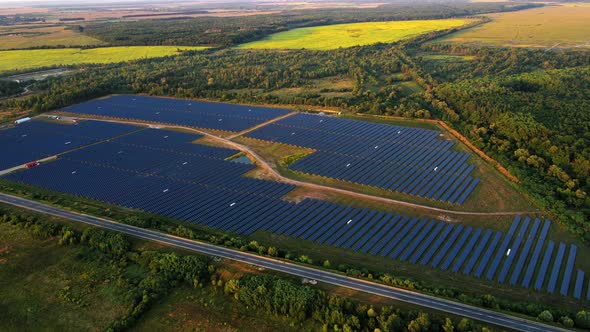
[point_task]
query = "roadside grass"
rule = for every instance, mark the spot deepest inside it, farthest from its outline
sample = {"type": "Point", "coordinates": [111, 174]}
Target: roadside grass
{"type": "Point", "coordinates": [34, 271]}
{"type": "Point", "coordinates": [354, 34]}
{"type": "Point", "coordinates": [14, 37]}
{"type": "Point", "coordinates": [207, 309]}
{"type": "Point", "coordinates": [29, 59]}
{"type": "Point", "coordinates": [552, 26]}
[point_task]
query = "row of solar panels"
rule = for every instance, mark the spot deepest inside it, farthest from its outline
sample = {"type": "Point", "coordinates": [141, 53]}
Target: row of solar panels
{"type": "Point", "coordinates": [36, 139]}
{"type": "Point", "coordinates": [406, 160]}
{"type": "Point", "coordinates": [227, 117]}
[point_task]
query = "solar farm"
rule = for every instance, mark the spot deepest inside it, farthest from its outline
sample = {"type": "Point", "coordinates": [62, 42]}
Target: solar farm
{"type": "Point", "coordinates": [401, 159]}
{"type": "Point", "coordinates": [40, 139]}
{"type": "Point", "coordinates": [165, 172]}
{"type": "Point", "coordinates": [196, 114]}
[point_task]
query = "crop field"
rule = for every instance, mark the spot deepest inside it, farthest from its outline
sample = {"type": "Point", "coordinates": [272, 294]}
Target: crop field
{"type": "Point", "coordinates": [29, 59]}
{"type": "Point", "coordinates": [554, 26]}
{"type": "Point", "coordinates": [164, 172]}
{"type": "Point", "coordinates": [353, 34]}
{"type": "Point", "coordinates": [13, 37]}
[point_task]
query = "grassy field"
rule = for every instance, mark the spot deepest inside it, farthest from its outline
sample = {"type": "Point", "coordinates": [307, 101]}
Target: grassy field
{"type": "Point", "coordinates": [33, 273]}
{"type": "Point", "coordinates": [354, 34]}
{"type": "Point", "coordinates": [559, 26]}
{"type": "Point", "coordinates": [44, 35]}
{"type": "Point", "coordinates": [29, 59]}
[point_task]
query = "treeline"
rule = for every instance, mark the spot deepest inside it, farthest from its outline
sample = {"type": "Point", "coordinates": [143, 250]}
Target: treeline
{"type": "Point", "coordinates": [474, 62]}
{"type": "Point", "coordinates": [9, 88]}
{"type": "Point", "coordinates": [224, 31]}
{"type": "Point", "coordinates": [248, 77]}
{"type": "Point", "coordinates": [538, 124]}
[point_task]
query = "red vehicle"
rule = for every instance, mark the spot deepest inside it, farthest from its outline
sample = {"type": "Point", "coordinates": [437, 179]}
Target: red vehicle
{"type": "Point", "coordinates": [31, 164]}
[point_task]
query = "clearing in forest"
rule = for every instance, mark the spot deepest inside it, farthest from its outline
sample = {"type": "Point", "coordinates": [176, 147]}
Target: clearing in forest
{"type": "Point", "coordinates": [26, 36]}
{"type": "Point", "coordinates": [556, 26]}
{"type": "Point", "coordinates": [354, 34]}
{"type": "Point", "coordinates": [28, 59]}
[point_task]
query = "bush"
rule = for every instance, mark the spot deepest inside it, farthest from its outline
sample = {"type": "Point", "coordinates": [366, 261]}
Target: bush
{"type": "Point", "coordinates": [566, 321]}
{"type": "Point", "coordinates": [546, 316]}
{"type": "Point", "coordinates": [583, 319]}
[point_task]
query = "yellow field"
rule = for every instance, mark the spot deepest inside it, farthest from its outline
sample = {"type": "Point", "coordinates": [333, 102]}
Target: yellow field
{"type": "Point", "coordinates": [354, 34]}
{"type": "Point", "coordinates": [47, 35]}
{"type": "Point", "coordinates": [556, 26]}
{"type": "Point", "coordinates": [27, 59]}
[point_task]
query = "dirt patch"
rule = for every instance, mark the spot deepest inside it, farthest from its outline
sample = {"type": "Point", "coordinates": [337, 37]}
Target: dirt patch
{"type": "Point", "coordinates": [235, 270]}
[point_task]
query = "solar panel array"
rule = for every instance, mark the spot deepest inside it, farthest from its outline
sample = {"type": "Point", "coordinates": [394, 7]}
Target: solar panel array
{"type": "Point", "coordinates": [401, 159]}
{"type": "Point", "coordinates": [161, 172]}
{"type": "Point", "coordinates": [198, 114]}
{"type": "Point", "coordinates": [35, 139]}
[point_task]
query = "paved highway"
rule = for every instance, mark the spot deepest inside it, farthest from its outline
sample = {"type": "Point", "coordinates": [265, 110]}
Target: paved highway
{"type": "Point", "coordinates": [297, 270]}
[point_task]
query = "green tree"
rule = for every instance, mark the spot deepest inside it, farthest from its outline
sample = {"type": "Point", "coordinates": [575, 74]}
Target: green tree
{"type": "Point", "coordinates": [448, 325]}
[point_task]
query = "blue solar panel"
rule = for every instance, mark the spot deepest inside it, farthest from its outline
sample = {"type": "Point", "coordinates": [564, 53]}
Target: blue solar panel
{"type": "Point", "coordinates": [579, 284]}
{"type": "Point", "coordinates": [528, 276]}
{"type": "Point", "coordinates": [424, 245]}
{"type": "Point", "coordinates": [488, 255]}
{"type": "Point", "coordinates": [443, 251]}
{"type": "Point", "coordinates": [544, 265]}
{"type": "Point", "coordinates": [418, 240]}
{"type": "Point", "coordinates": [556, 268]}
{"type": "Point", "coordinates": [198, 114]}
{"type": "Point", "coordinates": [512, 251]}
{"type": "Point", "coordinates": [569, 269]}
{"type": "Point", "coordinates": [502, 250]}
{"type": "Point", "coordinates": [468, 250]}
{"type": "Point", "coordinates": [477, 253]}
{"type": "Point", "coordinates": [524, 253]}
{"type": "Point", "coordinates": [443, 236]}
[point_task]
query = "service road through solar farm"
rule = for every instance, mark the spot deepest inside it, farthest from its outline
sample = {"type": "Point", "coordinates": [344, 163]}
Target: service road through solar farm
{"type": "Point", "coordinates": [148, 154]}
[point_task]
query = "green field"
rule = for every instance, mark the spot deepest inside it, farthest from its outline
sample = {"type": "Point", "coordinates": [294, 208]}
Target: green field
{"type": "Point", "coordinates": [29, 59]}
{"type": "Point", "coordinates": [556, 26]}
{"type": "Point", "coordinates": [349, 35]}
{"type": "Point", "coordinates": [13, 37]}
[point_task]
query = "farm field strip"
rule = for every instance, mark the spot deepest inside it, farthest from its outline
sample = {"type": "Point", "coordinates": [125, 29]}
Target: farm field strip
{"type": "Point", "coordinates": [197, 114]}
{"type": "Point", "coordinates": [160, 171]}
{"type": "Point", "coordinates": [400, 159]}
{"type": "Point", "coordinates": [29, 59]}
{"type": "Point", "coordinates": [354, 34]}
{"type": "Point", "coordinates": [14, 37]}
{"type": "Point", "coordinates": [552, 26]}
